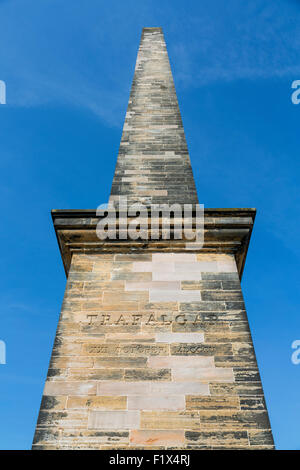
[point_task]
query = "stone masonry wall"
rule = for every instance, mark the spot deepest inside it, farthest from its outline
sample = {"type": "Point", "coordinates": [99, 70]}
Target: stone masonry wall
{"type": "Point", "coordinates": [153, 351]}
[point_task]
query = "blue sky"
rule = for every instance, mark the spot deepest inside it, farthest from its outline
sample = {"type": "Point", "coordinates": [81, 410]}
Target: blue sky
{"type": "Point", "coordinates": [68, 67]}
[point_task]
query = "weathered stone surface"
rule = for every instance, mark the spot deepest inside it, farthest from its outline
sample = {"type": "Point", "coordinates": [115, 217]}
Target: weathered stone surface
{"type": "Point", "coordinates": [114, 420]}
{"type": "Point", "coordinates": [149, 438]}
{"type": "Point", "coordinates": [153, 348]}
{"type": "Point", "coordinates": [70, 388]}
{"type": "Point", "coordinates": [179, 337]}
{"type": "Point", "coordinates": [178, 362]}
{"type": "Point", "coordinates": [179, 388]}
{"type": "Point", "coordinates": [156, 402]}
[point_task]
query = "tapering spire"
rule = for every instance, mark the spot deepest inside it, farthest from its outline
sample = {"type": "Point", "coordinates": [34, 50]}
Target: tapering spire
{"type": "Point", "coordinates": [153, 165]}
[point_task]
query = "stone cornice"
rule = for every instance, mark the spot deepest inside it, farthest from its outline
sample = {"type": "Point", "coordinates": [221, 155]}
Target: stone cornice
{"type": "Point", "coordinates": [225, 231]}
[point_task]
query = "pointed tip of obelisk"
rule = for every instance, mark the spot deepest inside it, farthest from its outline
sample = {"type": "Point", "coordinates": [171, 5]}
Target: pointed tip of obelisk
{"type": "Point", "coordinates": [148, 29]}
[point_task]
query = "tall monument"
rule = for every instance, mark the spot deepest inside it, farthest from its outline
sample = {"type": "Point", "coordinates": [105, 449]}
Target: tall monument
{"type": "Point", "coordinates": [153, 348]}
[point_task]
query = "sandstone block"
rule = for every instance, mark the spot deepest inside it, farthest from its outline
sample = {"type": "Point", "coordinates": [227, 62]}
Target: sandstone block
{"type": "Point", "coordinates": [179, 362]}
{"type": "Point", "coordinates": [70, 388]}
{"type": "Point", "coordinates": [156, 402]}
{"type": "Point", "coordinates": [203, 374]}
{"type": "Point", "coordinates": [170, 420]}
{"type": "Point", "coordinates": [114, 420]}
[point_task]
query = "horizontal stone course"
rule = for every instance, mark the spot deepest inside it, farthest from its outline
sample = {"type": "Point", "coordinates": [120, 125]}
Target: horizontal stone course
{"type": "Point", "coordinates": [175, 295]}
{"type": "Point", "coordinates": [156, 402]}
{"type": "Point", "coordinates": [98, 402]}
{"type": "Point", "coordinates": [151, 388]}
{"type": "Point", "coordinates": [212, 403]}
{"type": "Point", "coordinates": [70, 388]}
{"type": "Point", "coordinates": [148, 374]}
{"type": "Point", "coordinates": [220, 438]}
{"type": "Point", "coordinates": [170, 420]}
{"type": "Point", "coordinates": [203, 374]}
{"type": "Point", "coordinates": [114, 420]}
{"type": "Point", "coordinates": [231, 419]}
{"type": "Point", "coordinates": [176, 362]}
{"type": "Point", "coordinates": [151, 437]}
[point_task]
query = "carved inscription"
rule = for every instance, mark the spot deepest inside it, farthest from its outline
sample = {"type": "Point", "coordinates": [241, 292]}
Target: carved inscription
{"type": "Point", "coordinates": [148, 319]}
{"type": "Point", "coordinates": [127, 349]}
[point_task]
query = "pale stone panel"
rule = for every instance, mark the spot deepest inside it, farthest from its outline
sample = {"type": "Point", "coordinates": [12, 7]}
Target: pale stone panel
{"type": "Point", "coordinates": [114, 420]}
{"type": "Point", "coordinates": [142, 267]}
{"type": "Point", "coordinates": [136, 172]}
{"type": "Point", "coordinates": [70, 388]}
{"type": "Point", "coordinates": [179, 362]}
{"type": "Point", "coordinates": [71, 361]}
{"type": "Point", "coordinates": [179, 266]}
{"type": "Point", "coordinates": [156, 402]}
{"type": "Point", "coordinates": [181, 388]}
{"type": "Point", "coordinates": [177, 276]}
{"type": "Point", "coordinates": [117, 361]}
{"type": "Point", "coordinates": [222, 262]}
{"type": "Point", "coordinates": [166, 258]}
{"type": "Point", "coordinates": [98, 402]}
{"type": "Point", "coordinates": [112, 298]}
{"type": "Point", "coordinates": [152, 192]}
{"type": "Point", "coordinates": [173, 257]}
{"type": "Point", "coordinates": [170, 420]}
{"type": "Point", "coordinates": [179, 337]}
{"type": "Point", "coordinates": [198, 266]}
{"type": "Point", "coordinates": [156, 285]}
{"type": "Point", "coordinates": [209, 374]}
{"type": "Point", "coordinates": [123, 388]}
{"type": "Point", "coordinates": [227, 266]}
{"type": "Point", "coordinates": [174, 296]}
{"type": "Point", "coordinates": [135, 179]}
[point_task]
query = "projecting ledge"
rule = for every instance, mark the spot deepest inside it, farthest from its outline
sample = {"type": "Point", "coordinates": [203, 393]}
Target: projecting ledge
{"type": "Point", "coordinates": [225, 231]}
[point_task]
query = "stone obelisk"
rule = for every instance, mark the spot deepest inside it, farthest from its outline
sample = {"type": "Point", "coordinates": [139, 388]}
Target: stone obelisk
{"type": "Point", "coordinates": [153, 348]}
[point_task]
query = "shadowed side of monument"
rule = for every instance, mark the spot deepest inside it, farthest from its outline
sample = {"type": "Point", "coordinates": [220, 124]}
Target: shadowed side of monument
{"type": "Point", "coordinates": [153, 348]}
